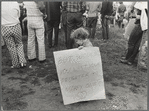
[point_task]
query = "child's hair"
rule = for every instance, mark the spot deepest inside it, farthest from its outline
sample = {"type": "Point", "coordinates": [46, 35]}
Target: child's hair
{"type": "Point", "coordinates": [80, 33]}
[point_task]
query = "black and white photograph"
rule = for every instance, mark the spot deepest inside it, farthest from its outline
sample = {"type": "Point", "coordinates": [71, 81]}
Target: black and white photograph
{"type": "Point", "coordinates": [74, 55]}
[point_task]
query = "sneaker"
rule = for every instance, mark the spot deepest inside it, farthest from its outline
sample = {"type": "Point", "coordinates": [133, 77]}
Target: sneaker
{"type": "Point", "coordinates": [124, 58]}
{"type": "Point", "coordinates": [129, 63]}
{"type": "Point", "coordinates": [123, 61]}
{"type": "Point", "coordinates": [23, 65]}
{"type": "Point", "coordinates": [32, 60]}
{"type": "Point", "coordinates": [43, 61]}
{"type": "Point", "coordinates": [15, 67]}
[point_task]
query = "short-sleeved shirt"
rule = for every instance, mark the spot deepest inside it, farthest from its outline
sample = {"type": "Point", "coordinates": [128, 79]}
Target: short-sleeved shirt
{"type": "Point", "coordinates": [10, 13]}
{"type": "Point", "coordinates": [32, 9]}
{"type": "Point", "coordinates": [93, 8]}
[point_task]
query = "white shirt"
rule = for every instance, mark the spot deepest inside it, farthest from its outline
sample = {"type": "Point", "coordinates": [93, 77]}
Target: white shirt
{"type": "Point", "coordinates": [93, 8]}
{"type": "Point", "coordinates": [10, 13]}
{"type": "Point", "coordinates": [144, 19]}
{"type": "Point", "coordinates": [32, 9]}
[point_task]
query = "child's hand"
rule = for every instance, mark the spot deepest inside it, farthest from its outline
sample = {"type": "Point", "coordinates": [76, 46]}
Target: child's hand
{"type": "Point", "coordinates": [81, 47]}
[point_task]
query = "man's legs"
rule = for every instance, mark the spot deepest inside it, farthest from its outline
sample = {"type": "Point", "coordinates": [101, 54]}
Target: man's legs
{"type": "Point", "coordinates": [135, 50]}
{"type": "Point", "coordinates": [31, 52]}
{"type": "Point", "coordinates": [135, 35]}
{"type": "Point", "coordinates": [105, 28]}
{"type": "Point", "coordinates": [93, 29]}
{"type": "Point", "coordinates": [10, 43]}
{"type": "Point", "coordinates": [50, 32]}
{"type": "Point", "coordinates": [56, 31]}
{"type": "Point", "coordinates": [70, 27]}
{"type": "Point", "coordinates": [41, 43]}
{"type": "Point", "coordinates": [19, 44]}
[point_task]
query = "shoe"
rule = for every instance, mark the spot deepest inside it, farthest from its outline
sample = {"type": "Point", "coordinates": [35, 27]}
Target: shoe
{"type": "Point", "coordinates": [124, 58]}
{"type": "Point", "coordinates": [23, 65]}
{"type": "Point", "coordinates": [43, 61]}
{"type": "Point", "coordinates": [129, 63]}
{"type": "Point", "coordinates": [32, 60]}
{"type": "Point", "coordinates": [123, 61]}
{"type": "Point", "coordinates": [15, 67]}
{"type": "Point", "coordinates": [126, 62]}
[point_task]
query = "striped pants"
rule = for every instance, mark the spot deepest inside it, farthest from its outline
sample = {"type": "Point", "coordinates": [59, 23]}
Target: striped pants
{"type": "Point", "coordinates": [13, 39]}
{"type": "Point", "coordinates": [36, 29]}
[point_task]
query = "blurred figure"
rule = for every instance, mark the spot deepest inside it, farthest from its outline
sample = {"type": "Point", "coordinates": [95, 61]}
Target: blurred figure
{"type": "Point", "coordinates": [106, 11]}
{"type": "Point", "coordinates": [75, 12]}
{"type": "Point", "coordinates": [80, 37]}
{"type": "Point", "coordinates": [64, 21]}
{"type": "Point", "coordinates": [22, 16]}
{"type": "Point", "coordinates": [92, 9]}
{"type": "Point", "coordinates": [12, 34]}
{"type": "Point", "coordinates": [134, 40]}
{"type": "Point", "coordinates": [143, 53]}
{"type": "Point", "coordinates": [35, 29]}
{"type": "Point", "coordinates": [53, 21]}
{"type": "Point", "coordinates": [121, 10]}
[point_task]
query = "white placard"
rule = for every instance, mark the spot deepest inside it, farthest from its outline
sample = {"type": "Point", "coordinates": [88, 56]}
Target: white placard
{"type": "Point", "coordinates": [80, 74]}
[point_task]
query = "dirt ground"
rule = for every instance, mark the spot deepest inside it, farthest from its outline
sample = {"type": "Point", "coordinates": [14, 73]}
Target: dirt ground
{"type": "Point", "coordinates": [36, 87]}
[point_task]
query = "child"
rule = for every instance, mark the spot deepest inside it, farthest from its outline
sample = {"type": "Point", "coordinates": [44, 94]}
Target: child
{"type": "Point", "coordinates": [80, 37]}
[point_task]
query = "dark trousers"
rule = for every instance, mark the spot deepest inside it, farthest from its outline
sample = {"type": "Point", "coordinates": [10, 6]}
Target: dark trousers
{"type": "Point", "coordinates": [120, 20]}
{"type": "Point", "coordinates": [105, 28]}
{"type": "Point", "coordinates": [53, 24]}
{"type": "Point", "coordinates": [91, 25]}
{"type": "Point", "coordinates": [64, 24]}
{"type": "Point", "coordinates": [74, 21]}
{"type": "Point", "coordinates": [134, 43]}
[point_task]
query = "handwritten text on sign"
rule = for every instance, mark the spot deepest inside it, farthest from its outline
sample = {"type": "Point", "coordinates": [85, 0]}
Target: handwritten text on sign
{"type": "Point", "coordinates": [80, 74]}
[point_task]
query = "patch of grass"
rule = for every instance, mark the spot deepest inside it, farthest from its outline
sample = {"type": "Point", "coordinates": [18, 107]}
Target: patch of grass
{"type": "Point", "coordinates": [35, 81]}
{"type": "Point", "coordinates": [110, 95]}
{"type": "Point", "coordinates": [51, 78]}
{"type": "Point", "coordinates": [134, 90]}
{"type": "Point", "coordinates": [12, 99]}
{"type": "Point", "coordinates": [111, 52]}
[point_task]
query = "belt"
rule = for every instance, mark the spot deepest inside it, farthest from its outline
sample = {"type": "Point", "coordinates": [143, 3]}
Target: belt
{"type": "Point", "coordinates": [132, 17]}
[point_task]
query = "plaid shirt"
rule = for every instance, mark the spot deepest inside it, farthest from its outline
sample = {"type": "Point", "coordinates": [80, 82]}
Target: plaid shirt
{"type": "Point", "coordinates": [74, 6]}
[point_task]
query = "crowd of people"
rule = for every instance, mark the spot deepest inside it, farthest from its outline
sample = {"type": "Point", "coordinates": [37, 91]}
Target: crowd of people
{"type": "Point", "coordinates": [42, 18]}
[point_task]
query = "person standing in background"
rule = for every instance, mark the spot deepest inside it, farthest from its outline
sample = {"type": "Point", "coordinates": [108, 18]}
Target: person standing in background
{"type": "Point", "coordinates": [75, 12]}
{"type": "Point", "coordinates": [35, 29]}
{"type": "Point", "coordinates": [92, 8]}
{"type": "Point", "coordinates": [64, 22]}
{"type": "Point", "coordinates": [12, 34]}
{"type": "Point", "coordinates": [143, 53]}
{"type": "Point", "coordinates": [53, 11]}
{"type": "Point", "coordinates": [134, 40]}
{"type": "Point", "coordinates": [121, 10]}
{"type": "Point", "coordinates": [106, 11]}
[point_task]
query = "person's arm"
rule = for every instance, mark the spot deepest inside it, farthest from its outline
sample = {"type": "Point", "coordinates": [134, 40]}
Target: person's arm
{"type": "Point", "coordinates": [99, 7]}
{"type": "Point", "coordinates": [41, 6]}
{"type": "Point", "coordinates": [64, 5]}
{"type": "Point", "coordinates": [83, 5]}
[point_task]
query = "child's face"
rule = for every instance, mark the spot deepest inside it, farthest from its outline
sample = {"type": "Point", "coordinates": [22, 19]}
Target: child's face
{"type": "Point", "coordinates": [79, 41]}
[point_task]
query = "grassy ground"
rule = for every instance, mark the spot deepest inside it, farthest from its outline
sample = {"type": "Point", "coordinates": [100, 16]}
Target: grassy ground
{"type": "Point", "coordinates": [36, 87]}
